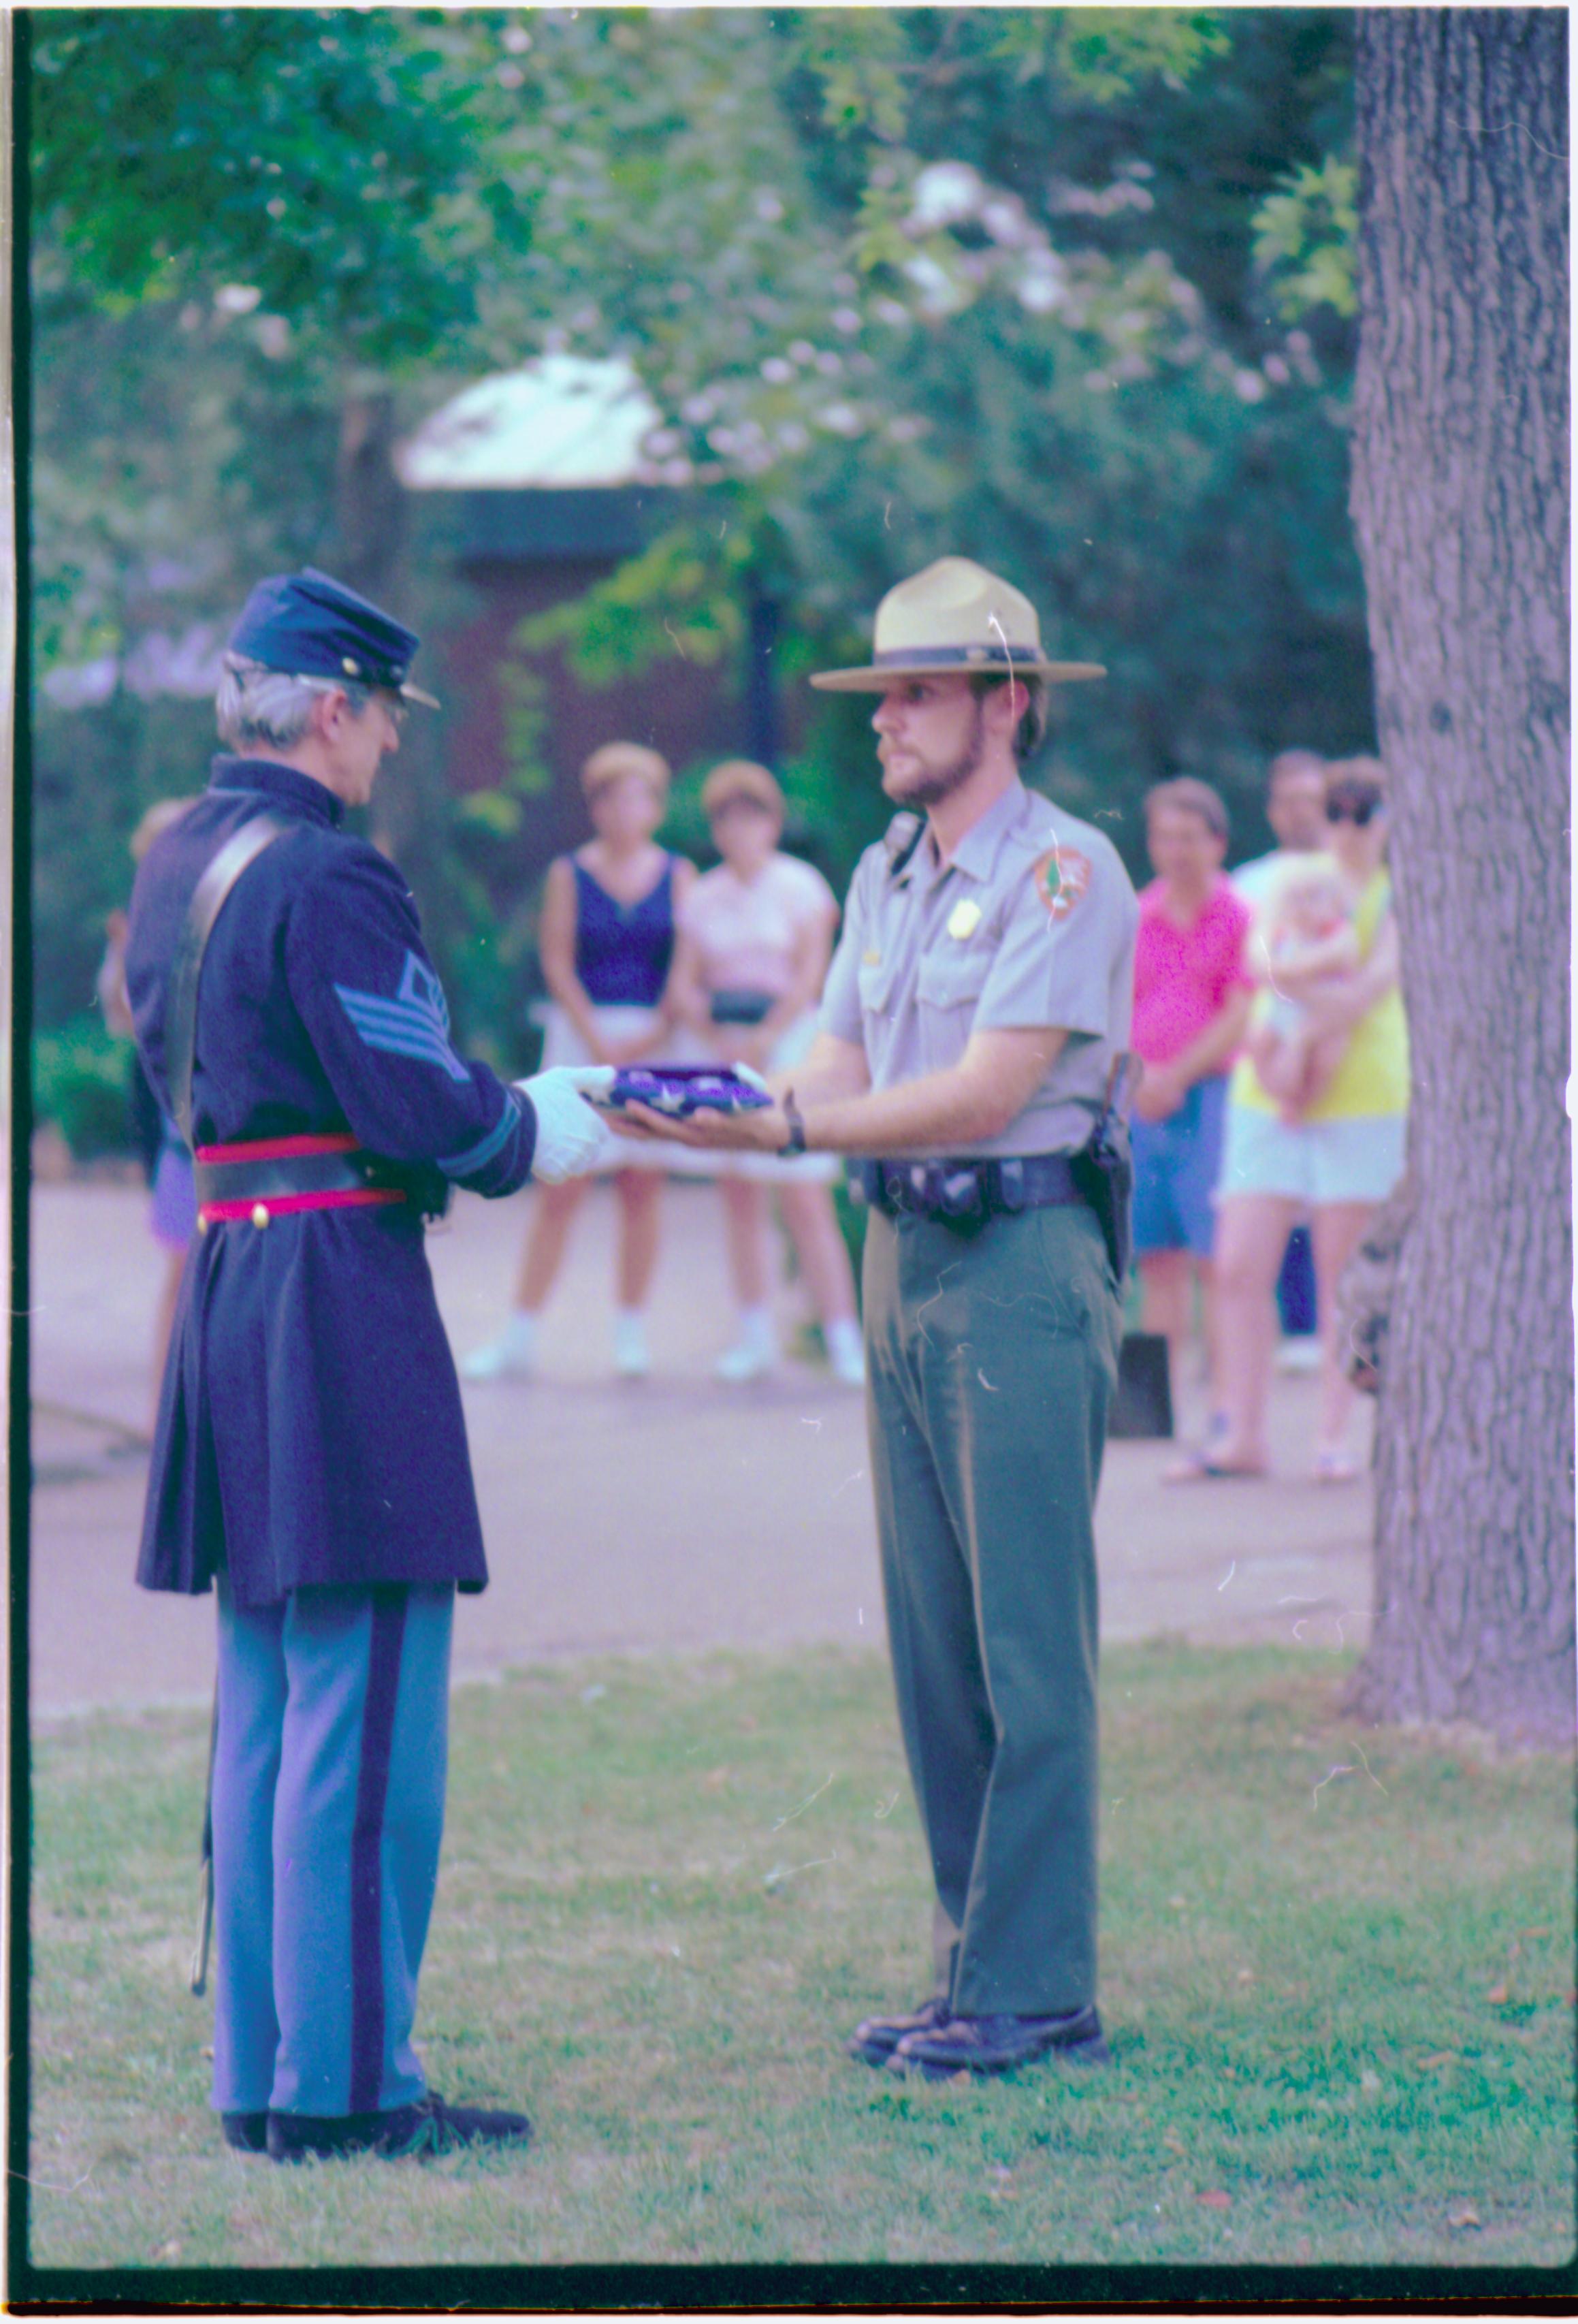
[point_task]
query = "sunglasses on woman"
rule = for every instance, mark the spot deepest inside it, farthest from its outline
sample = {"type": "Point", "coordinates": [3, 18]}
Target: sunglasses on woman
{"type": "Point", "coordinates": [1357, 812]}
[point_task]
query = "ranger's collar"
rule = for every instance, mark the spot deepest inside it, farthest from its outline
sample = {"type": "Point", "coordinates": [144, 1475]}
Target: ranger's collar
{"type": "Point", "coordinates": [977, 853]}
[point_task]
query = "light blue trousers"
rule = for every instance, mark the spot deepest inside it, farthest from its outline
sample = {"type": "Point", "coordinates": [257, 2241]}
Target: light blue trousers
{"type": "Point", "coordinates": [328, 1808]}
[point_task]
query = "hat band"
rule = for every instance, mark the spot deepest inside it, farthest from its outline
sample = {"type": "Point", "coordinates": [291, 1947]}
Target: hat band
{"type": "Point", "coordinates": [966, 656]}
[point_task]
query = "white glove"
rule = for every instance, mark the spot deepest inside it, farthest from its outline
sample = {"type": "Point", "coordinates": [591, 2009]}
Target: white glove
{"type": "Point", "coordinates": [568, 1132]}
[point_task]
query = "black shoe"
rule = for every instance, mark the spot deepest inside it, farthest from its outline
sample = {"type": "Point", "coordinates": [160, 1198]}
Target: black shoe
{"type": "Point", "coordinates": [995, 2045]}
{"type": "Point", "coordinates": [247, 2132]}
{"type": "Point", "coordinates": [874, 2039]}
{"type": "Point", "coordinates": [427, 2127]}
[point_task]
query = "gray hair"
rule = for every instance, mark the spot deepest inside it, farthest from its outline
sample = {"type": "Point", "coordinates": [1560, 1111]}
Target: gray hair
{"type": "Point", "coordinates": [257, 706]}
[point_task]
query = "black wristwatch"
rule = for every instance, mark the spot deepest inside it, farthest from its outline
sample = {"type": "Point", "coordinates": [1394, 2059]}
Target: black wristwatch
{"type": "Point", "coordinates": [795, 1142]}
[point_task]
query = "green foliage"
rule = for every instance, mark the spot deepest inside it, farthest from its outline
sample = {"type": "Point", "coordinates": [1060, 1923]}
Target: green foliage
{"type": "Point", "coordinates": [901, 283]}
{"type": "Point", "coordinates": [979, 362]}
{"type": "Point", "coordinates": [307, 161]}
{"type": "Point", "coordinates": [1104, 55]}
{"type": "Point", "coordinates": [81, 1076]}
{"type": "Point", "coordinates": [524, 698]}
{"type": "Point", "coordinates": [1306, 239]}
{"type": "Point", "coordinates": [682, 596]}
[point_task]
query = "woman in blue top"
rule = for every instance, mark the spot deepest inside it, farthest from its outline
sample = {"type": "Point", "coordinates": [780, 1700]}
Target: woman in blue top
{"type": "Point", "coordinates": [606, 942]}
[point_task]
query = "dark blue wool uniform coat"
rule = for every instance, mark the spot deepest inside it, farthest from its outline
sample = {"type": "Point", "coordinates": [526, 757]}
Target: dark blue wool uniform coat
{"type": "Point", "coordinates": [310, 1428]}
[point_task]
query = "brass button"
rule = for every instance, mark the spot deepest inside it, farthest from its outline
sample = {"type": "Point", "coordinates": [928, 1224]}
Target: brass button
{"type": "Point", "coordinates": [202, 1222]}
{"type": "Point", "coordinates": [260, 1214]}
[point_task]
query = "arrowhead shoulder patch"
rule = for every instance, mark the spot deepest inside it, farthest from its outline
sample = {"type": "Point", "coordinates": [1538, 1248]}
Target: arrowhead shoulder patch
{"type": "Point", "coordinates": [1061, 877]}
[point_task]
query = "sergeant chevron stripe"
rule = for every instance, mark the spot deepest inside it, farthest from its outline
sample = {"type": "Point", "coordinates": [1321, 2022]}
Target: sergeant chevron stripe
{"type": "Point", "coordinates": [414, 1024]}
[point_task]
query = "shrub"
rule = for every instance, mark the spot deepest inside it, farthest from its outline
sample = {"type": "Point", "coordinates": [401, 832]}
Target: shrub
{"type": "Point", "coordinates": [81, 1077]}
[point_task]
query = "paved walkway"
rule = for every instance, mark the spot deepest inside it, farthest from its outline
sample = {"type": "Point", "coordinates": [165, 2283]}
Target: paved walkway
{"type": "Point", "coordinates": [671, 1513]}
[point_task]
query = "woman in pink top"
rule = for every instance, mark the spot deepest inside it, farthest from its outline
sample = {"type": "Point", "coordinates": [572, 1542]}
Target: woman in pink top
{"type": "Point", "coordinates": [1191, 1001]}
{"type": "Point", "coordinates": [755, 939]}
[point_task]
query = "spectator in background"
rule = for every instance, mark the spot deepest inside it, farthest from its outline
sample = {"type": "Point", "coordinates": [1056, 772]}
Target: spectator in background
{"type": "Point", "coordinates": [1191, 1003]}
{"type": "Point", "coordinates": [166, 1159]}
{"type": "Point", "coordinates": [1305, 938]}
{"type": "Point", "coordinates": [1338, 1162]}
{"type": "Point", "coordinates": [1296, 811]}
{"type": "Point", "coordinates": [606, 941]}
{"type": "Point", "coordinates": [755, 938]}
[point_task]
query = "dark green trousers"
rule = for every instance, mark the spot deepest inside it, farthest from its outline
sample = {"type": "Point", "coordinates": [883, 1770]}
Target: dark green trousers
{"type": "Point", "coordinates": [991, 1359]}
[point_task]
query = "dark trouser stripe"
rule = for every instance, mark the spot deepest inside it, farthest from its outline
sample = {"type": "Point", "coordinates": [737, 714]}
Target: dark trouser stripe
{"type": "Point", "coordinates": [377, 1721]}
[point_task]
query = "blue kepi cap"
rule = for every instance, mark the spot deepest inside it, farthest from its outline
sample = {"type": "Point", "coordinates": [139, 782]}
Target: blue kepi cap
{"type": "Point", "coordinates": [312, 626]}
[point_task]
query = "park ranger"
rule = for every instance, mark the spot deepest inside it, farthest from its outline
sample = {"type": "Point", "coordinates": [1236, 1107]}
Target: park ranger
{"type": "Point", "coordinates": [309, 1457]}
{"type": "Point", "coordinates": [974, 1017]}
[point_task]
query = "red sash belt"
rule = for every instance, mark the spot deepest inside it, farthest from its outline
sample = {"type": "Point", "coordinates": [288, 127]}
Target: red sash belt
{"type": "Point", "coordinates": [264, 1178]}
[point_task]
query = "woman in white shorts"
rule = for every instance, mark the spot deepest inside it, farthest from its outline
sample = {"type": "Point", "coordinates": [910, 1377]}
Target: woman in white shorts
{"type": "Point", "coordinates": [606, 942]}
{"type": "Point", "coordinates": [755, 938]}
{"type": "Point", "coordinates": [1335, 1165]}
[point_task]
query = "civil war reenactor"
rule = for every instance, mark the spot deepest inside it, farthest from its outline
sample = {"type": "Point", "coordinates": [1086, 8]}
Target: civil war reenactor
{"type": "Point", "coordinates": [309, 1459]}
{"type": "Point", "coordinates": [973, 1028]}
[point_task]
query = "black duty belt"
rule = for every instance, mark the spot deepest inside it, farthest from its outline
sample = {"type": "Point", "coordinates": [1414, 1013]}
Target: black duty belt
{"type": "Point", "coordinates": [968, 1191]}
{"type": "Point", "coordinates": [263, 1178]}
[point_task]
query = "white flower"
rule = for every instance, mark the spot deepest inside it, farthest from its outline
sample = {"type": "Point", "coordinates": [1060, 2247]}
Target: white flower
{"type": "Point", "coordinates": [1005, 221]}
{"type": "Point", "coordinates": [940, 293]}
{"type": "Point", "coordinates": [944, 194]}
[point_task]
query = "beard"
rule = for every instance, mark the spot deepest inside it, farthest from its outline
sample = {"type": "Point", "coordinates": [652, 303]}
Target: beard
{"type": "Point", "coordinates": [929, 786]}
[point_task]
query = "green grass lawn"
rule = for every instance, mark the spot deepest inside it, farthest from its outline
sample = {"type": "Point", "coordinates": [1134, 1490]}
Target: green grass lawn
{"type": "Point", "coordinates": [1340, 2003]}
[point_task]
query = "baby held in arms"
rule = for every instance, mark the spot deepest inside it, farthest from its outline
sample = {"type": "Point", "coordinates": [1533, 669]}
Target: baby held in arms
{"type": "Point", "coordinates": [1307, 946]}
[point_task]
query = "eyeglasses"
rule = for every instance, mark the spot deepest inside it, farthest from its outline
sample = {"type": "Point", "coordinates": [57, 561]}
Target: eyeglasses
{"type": "Point", "coordinates": [1348, 811]}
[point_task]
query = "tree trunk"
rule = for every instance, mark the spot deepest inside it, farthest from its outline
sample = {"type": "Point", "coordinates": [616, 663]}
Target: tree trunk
{"type": "Point", "coordinates": [370, 527]}
{"type": "Point", "coordinates": [369, 506]}
{"type": "Point", "coordinates": [1460, 498]}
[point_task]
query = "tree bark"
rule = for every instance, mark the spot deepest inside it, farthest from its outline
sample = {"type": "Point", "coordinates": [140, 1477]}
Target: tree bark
{"type": "Point", "coordinates": [369, 504]}
{"type": "Point", "coordinates": [1460, 499]}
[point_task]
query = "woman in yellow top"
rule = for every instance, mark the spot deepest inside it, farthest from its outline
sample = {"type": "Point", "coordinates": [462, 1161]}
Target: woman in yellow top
{"type": "Point", "coordinates": [1335, 1161]}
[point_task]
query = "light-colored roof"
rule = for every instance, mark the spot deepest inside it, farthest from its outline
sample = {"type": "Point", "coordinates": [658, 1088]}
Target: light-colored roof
{"type": "Point", "coordinates": [560, 421]}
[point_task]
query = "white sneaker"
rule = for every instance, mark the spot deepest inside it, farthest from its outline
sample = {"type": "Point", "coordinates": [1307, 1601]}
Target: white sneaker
{"type": "Point", "coordinates": [511, 1356]}
{"type": "Point", "coordinates": [1299, 1353]}
{"type": "Point", "coordinates": [632, 1360]}
{"type": "Point", "coordinates": [755, 1351]}
{"type": "Point", "coordinates": [846, 1353]}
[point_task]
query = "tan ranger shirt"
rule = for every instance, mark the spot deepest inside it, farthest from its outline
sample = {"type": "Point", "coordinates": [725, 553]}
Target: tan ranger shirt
{"type": "Point", "coordinates": [1033, 924]}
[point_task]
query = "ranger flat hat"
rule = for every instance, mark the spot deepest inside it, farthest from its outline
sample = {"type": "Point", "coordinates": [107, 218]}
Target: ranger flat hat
{"type": "Point", "coordinates": [307, 624]}
{"type": "Point", "coordinates": [955, 618]}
